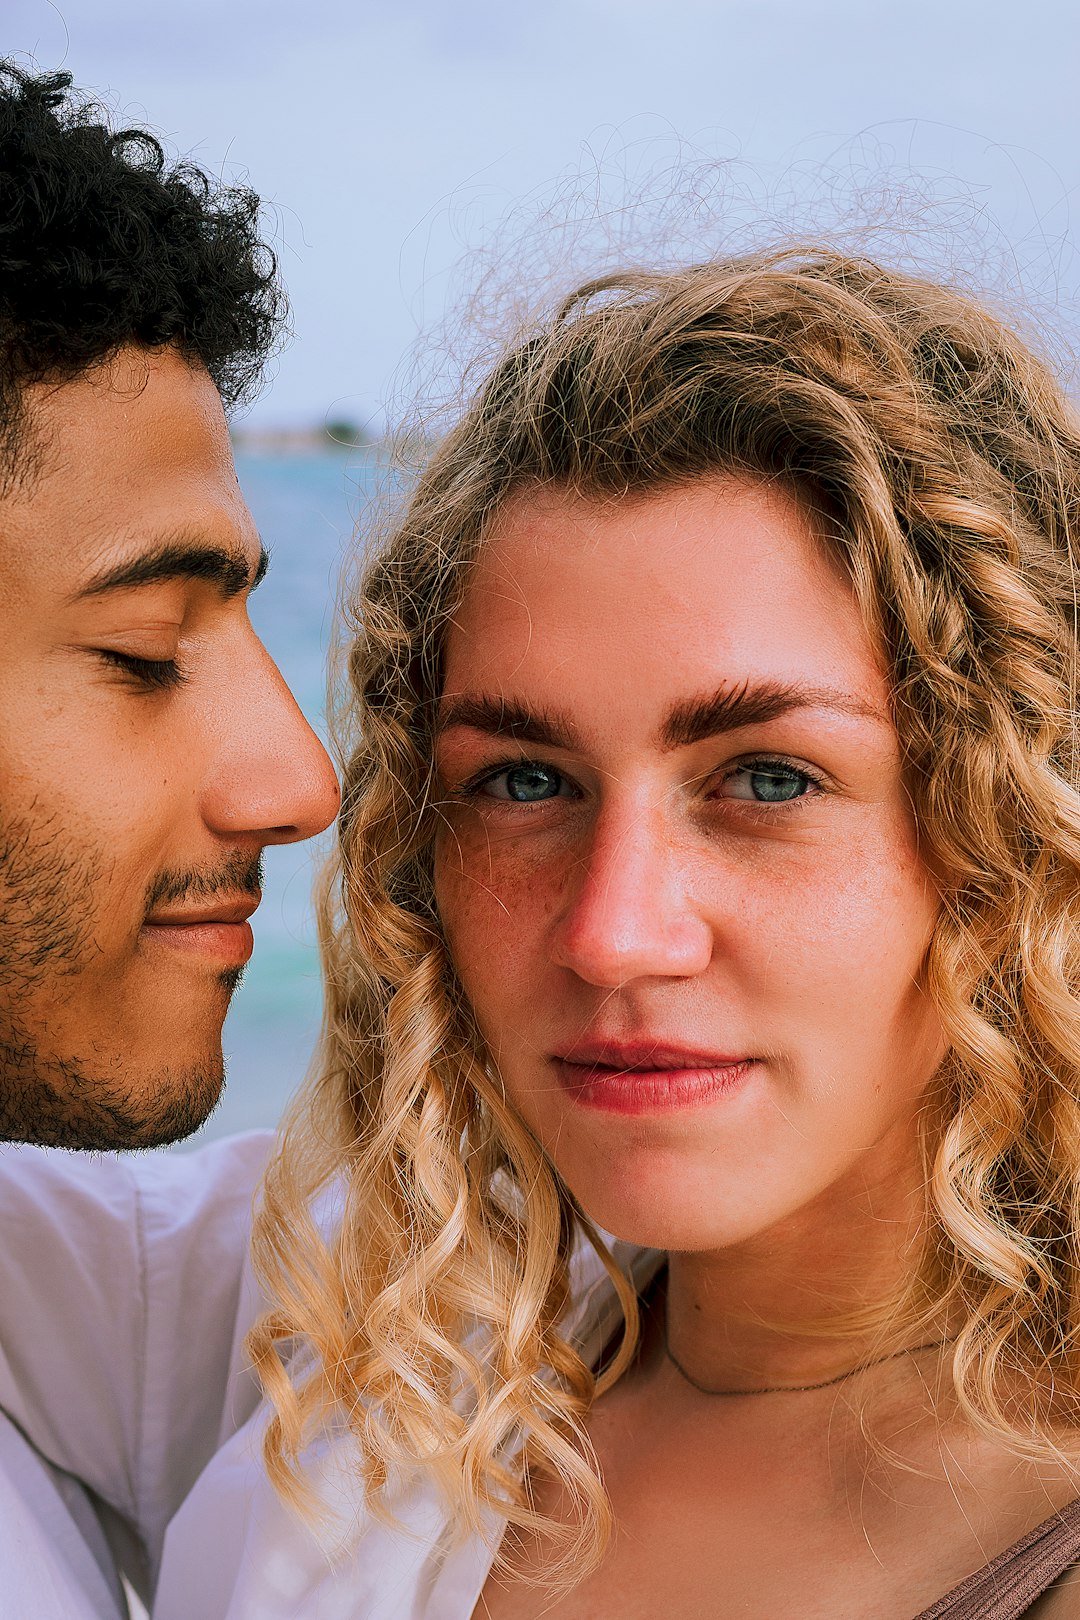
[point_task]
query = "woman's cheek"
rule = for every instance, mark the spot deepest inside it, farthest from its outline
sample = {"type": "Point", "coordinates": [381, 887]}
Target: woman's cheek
{"type": "Point", "coordinates": [495, 893]}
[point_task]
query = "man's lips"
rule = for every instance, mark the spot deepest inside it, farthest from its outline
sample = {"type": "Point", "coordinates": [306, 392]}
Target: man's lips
{"type": "Point", "coordinates": [218, 929]}
{"type": "Point", "coordinates": [647, 1076]}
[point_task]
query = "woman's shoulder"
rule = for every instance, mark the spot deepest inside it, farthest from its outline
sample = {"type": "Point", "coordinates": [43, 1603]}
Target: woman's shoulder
{"type": "Point", "coordinates": [1061, 1602]}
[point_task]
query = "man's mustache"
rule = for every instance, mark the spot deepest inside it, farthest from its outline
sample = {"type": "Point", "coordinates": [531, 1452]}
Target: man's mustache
{"type": "Point", "coordinates": [238, 874]}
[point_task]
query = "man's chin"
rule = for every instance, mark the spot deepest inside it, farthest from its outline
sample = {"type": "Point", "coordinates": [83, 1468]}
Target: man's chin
{"type": "Point", "coordinates": [62, 1103]}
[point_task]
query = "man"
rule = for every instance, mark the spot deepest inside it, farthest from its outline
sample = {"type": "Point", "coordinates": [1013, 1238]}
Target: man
{"type": "Point", "coordinates": [148, 747]}
{"type": "Point", "coordinates": [149, 751]}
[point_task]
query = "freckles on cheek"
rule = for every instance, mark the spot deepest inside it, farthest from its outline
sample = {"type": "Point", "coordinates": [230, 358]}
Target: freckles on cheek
{"type": "Point", "coordinates": [493, 899]}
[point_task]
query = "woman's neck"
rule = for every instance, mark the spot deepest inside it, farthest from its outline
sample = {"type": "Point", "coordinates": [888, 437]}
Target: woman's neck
{"type": "Point", "coordinates": [801, 1303]}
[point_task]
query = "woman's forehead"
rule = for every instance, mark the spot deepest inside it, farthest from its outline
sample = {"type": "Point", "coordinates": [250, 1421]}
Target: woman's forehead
{"type": "Point", "coordinates": [716, 581]}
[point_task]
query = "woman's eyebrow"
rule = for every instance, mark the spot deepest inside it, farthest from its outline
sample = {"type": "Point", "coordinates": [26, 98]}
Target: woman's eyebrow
{"type": "Point", "coordinates": [691, 721]}
{"type": "Point", "coordinates": [754, 704]}
{"type": "Point", "coordinates": [502, 717]}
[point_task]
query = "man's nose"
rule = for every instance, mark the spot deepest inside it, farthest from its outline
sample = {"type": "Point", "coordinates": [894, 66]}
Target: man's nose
{"type": "Point", "coordinates": [630, 912]}
{"type": "Point", "coordinates": [271, 775]}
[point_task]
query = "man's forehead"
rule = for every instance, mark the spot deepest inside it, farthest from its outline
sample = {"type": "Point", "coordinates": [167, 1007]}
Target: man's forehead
{"type": "Point", "coordinates": [125, 472]}
{"type": "Point", "coordinates": [137, 393]}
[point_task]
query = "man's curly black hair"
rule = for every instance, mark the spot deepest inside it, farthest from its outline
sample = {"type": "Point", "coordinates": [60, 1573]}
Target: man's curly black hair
{"type": "Point", "coordinates": [104, 243]}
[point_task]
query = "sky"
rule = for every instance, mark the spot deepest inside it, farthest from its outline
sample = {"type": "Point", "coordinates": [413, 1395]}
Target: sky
{"type": "Point", "coordinates": [413, 151]}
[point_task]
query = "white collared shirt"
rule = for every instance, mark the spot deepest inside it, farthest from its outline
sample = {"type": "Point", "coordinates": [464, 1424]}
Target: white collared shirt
{"type": "Point", "coordinates": [233, 1552]}
{"type": "Point", "coordinates": [123, 1286]}
{"type": "Point", "coordinates": [125, 1295]}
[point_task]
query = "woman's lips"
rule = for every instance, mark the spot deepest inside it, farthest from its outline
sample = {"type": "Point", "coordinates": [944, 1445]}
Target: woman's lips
{"type": "Point", "coordinates": [648, 1077]}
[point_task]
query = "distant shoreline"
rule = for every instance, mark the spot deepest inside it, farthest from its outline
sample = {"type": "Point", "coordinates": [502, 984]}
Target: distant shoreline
{"type": "Point", "coordinates": [331, 439]}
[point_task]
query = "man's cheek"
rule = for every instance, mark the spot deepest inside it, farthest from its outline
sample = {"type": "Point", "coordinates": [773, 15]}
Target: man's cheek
{"type": "Point", "coordinates": [47, 900]}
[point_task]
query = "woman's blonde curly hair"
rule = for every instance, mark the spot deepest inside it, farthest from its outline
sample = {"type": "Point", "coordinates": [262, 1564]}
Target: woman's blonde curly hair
{"type": "Point", "coordinates": [947, 464]}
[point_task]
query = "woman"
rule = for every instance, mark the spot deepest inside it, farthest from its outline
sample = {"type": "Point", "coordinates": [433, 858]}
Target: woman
{"type": "Point", "coordinates": [708, 865]}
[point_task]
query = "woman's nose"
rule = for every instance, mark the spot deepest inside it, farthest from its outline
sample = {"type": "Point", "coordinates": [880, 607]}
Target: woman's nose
{"type": "Point", "coordinates": [630, 912]}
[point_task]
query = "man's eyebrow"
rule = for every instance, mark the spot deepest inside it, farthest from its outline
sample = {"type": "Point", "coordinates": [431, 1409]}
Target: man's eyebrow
{"type": "Point", "coordinates": [733, 707]}
{"type": "Point", "coordinates": [501, 717]}
{"type": "Point", "coordinates": [228, 569]}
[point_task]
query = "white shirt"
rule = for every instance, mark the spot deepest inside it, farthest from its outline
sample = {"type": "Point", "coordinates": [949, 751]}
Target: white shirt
{"type": "Point", "coordinates": [123, 1286]}
{"type": "Point", "coordinates": [142, 1401]}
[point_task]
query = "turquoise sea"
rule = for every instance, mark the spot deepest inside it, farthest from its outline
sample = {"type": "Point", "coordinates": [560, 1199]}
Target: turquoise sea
{"type": "Point", "coordinates": [307, 507]}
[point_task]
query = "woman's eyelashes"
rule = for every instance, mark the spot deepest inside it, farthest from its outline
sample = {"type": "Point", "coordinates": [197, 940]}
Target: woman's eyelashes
{"type": "Point", "coordinates": [767, 781]}
{"type": "Point", "coordinates": [526, 781]}
{"type": "Point", "coordinates": [759, 781]}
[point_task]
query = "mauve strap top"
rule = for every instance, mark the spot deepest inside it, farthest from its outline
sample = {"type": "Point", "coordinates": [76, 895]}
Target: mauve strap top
{"type": "Point", "coordinates": [1006, 1588]}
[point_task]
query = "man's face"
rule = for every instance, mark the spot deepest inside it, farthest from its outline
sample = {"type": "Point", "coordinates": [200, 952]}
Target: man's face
{"type": "Point", "coordinates": [149, 750]}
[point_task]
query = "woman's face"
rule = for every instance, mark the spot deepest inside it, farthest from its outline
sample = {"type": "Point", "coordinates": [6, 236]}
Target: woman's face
{"type": "Point", "coordinates": [678, 869]}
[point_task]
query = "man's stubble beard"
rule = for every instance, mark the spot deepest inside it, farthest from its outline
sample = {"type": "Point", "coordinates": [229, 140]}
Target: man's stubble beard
{"type": "Point", "coordinates": [58, 1102]}
{"type": "Point", "coordinates": [71, 1099]}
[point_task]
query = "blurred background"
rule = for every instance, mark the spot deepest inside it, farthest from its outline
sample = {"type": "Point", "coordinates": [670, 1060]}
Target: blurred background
{"type": "Point", "coordinates": [427, 166]}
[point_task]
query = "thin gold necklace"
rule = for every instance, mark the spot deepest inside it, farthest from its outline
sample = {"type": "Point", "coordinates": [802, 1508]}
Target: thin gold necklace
{"type": "Point", "coordinates": [796, 1389]}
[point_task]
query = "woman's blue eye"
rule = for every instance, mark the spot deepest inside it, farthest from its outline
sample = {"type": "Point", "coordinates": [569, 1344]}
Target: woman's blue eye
{"type": "Point", "coordinates": [524, 784]}
{"type": "Point", "coordinates": [766, 784]}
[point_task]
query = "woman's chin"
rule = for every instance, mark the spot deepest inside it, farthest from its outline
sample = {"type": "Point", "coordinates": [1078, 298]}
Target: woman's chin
{"type": "Point", "coordinates": [673, 1223]}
